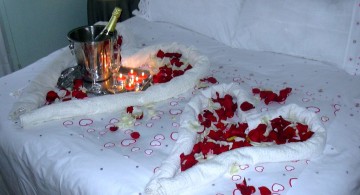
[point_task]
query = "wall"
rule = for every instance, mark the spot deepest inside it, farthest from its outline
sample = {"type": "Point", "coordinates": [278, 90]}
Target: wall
{"type": "Point", "coordinates": [33, 29]}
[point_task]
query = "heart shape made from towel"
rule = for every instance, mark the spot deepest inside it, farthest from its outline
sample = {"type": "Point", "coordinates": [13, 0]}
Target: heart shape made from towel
{"type": "Point", "coordinates": [172, 177]}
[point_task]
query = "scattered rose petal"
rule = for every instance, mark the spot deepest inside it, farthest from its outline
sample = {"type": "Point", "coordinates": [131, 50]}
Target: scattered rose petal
{"type": "Point", "coordinates": [135, 135]}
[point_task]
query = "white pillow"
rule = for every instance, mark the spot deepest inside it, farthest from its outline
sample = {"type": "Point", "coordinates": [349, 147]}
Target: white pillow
{"type": "Point", "coordinates": [314, 29]}
{"type": "Point", "coordinates": [214, 18]}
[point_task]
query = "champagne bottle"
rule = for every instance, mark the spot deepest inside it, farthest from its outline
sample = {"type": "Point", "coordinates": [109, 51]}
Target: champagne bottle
{"type": "Point", "coordinates": [109, 29]}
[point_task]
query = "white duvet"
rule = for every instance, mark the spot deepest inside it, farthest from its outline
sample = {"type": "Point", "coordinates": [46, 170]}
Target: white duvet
{"type": "Point", "coordinates": [80, 155]}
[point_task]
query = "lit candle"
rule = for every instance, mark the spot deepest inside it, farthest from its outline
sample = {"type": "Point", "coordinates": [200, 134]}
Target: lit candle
{"type": "Point", "coordinates": [143, 76]}
{"type": "Point", "coordinates": [132, 74]}
{"type": "Point", "coordinates": [121, 79]}
{"type": "Point", "coordinates": [138, 80]}
{"type": "Point", "coordinates": [138, 83]}
{"type": "Point", "coordinates": [130, 86]}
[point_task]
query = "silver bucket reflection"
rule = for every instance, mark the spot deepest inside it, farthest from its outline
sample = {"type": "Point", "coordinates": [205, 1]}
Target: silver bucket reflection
{"type": "Point", "coordinates": [94, 57]}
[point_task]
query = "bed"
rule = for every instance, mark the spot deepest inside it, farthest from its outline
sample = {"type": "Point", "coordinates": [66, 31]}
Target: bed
{"type": "Point", "coordinates": [73, 148]}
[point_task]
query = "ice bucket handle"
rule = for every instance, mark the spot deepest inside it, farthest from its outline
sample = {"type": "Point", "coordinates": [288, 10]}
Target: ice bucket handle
{"type": "Point", "coordinates": [71, 47]}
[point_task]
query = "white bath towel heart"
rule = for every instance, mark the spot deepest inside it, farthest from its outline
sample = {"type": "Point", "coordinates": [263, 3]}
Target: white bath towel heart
{"type": "Point", "coordinates": [169, 180]}
{"type": "Point", "coordinates": [116, 102]}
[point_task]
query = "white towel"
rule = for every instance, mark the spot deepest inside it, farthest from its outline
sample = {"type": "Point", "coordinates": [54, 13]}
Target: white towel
{"type": "Point", "coordinates": [111, 103]}
{"type": "Point", "coordinates": [169, 180]}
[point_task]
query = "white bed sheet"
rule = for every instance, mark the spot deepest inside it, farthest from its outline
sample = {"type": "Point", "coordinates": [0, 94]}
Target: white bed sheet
{"type": "Point", "coordinates": [64, 157]}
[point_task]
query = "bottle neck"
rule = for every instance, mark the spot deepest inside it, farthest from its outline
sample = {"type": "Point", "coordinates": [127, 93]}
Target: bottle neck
{"type": "Point", "coordinates": [110, 27]}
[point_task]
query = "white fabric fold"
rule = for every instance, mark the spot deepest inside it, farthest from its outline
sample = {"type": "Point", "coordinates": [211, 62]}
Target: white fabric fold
{"type": "Point", "coordinates": [169, 180]}
{"type": "Point", "coordinates": [111, 103]}
{"type": "Point", "coordinates": [33, 95]}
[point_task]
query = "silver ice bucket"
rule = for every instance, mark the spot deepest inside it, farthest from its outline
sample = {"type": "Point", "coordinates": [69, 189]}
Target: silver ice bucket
{"type": "Point", "coordinates": [94, 57]}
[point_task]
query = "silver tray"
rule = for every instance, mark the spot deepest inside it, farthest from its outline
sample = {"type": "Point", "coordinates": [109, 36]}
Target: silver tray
{"type": "Point", "coordinates": [68, 75]}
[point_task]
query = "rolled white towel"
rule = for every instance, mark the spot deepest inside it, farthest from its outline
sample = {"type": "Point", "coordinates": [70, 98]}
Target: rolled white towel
{"type": "Point", "coordinates": [169, 180]}
{"type": "Point", "coordinates": [111, 103]}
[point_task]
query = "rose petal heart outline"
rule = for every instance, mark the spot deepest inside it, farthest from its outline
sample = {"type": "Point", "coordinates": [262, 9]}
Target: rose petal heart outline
{"type": "Point", "coordinates": [289, 168]}
{"type": "Point", "coordinates": [108, 126]}
{"type": "Point", "coordinates": [243, 167]}
{"type": "Point", "coordinates": [127, 142]}
{"type": "Point", "coordinates": [175, 124]}
{"type": "Point", "coordinates": [85, 122]}
{"type": "Point", "coordinates": [128, 131]}
{"type": "Point", "coordinates": [238, 80]}
{"type": "Point", "coordinates": [237, 192]}
{"type": "Point", "coordinates": [101, 133]}
{"type": "Point", "coordinates": [325, 118]}
{"type": "Point", "coordinates": [174, 103]}
{"type": "Point", "coordinates": [109, 145]}
{"type": "Point", "coordinates": [259, 168]}
{"type": "Point", "coordinates": [174, 136]}
{"type": "Point", "coordinates": [114, 121]}
{"type": "Point", "coordinates": [309, 94]}
{"type": "Point", "coordinates": [159, 137]}
{"type": "Point", "coordinates": [148, 151]}
{"type": "Point", "coordinates": [155, 143]}
{"type": "Point", "coordinates": [159, 112]}
{"type": "Point", "coordinates": [313, 109]}
{"type": "Point", "coordinates": [134, 149]}
{"type": "Point", "coordinates": [175, 111]}
{"type": "Point", "coordinates": [292, 181]}
{"type": "Point", "coordinates": [236, 177]}
{"type": "Point", "coordinates": [276, 187]}
{"type": "Point", "coordinates": [68, 123]}
{"type": "Point", "coordinates": [305, 100]}
{"type": "Point", "coordinates": [149, 125]}
{"type": "Point", "coordinates": [155, 118]}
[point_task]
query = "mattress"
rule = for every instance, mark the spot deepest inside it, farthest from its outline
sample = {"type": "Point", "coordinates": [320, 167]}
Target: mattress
{"type": "Point", "coordinates": [79, 155]}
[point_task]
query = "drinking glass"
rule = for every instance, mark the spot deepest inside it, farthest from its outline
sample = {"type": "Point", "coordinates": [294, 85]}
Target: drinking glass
{"type": "Point", "coordinates": [95, 87]}
{"type": "Point", "coordinates": [114, 69]}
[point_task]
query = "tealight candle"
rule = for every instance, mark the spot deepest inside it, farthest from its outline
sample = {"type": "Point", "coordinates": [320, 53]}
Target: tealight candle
{"type": "Point", "coordinates": [138, 83]}
{"type": "Point", "coordinates": [138, 80]}
{"type": "Point", "coordinates": [132, 74]}
{"type": "Point", "coordinates": [121, 79]}
{"type": "Point", "coordinates": [143, 76]}
{"type": "Point", "coordinates": [130, 86]}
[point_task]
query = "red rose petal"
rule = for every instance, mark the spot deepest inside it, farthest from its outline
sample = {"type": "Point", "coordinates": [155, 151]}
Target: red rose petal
{"type": "Point", "coordinates": [246, 106]}
{"type": "Point", "coordinates": [77, 83]}
{"type": "Point", "coordinates": [256, 90]}
{"type": "Point", "coordinates": [130, 109]}
{"type": "Point", "coordinates": [135, 135]}
{"type": "Point", "coordinates": [245, 189]}
{"type": "Point", "coordinates": [113, 128]}
{"type": "Point", "coordinates": [51, 96]}
{"type": "Point", "coordinates": [264, 190]}
{"type": "Point", "coordinates": [187, 161]}
{"type": "Point", "coordinates": [160, 54]}
{"type": "Point", "coordinates": [257, 134]}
